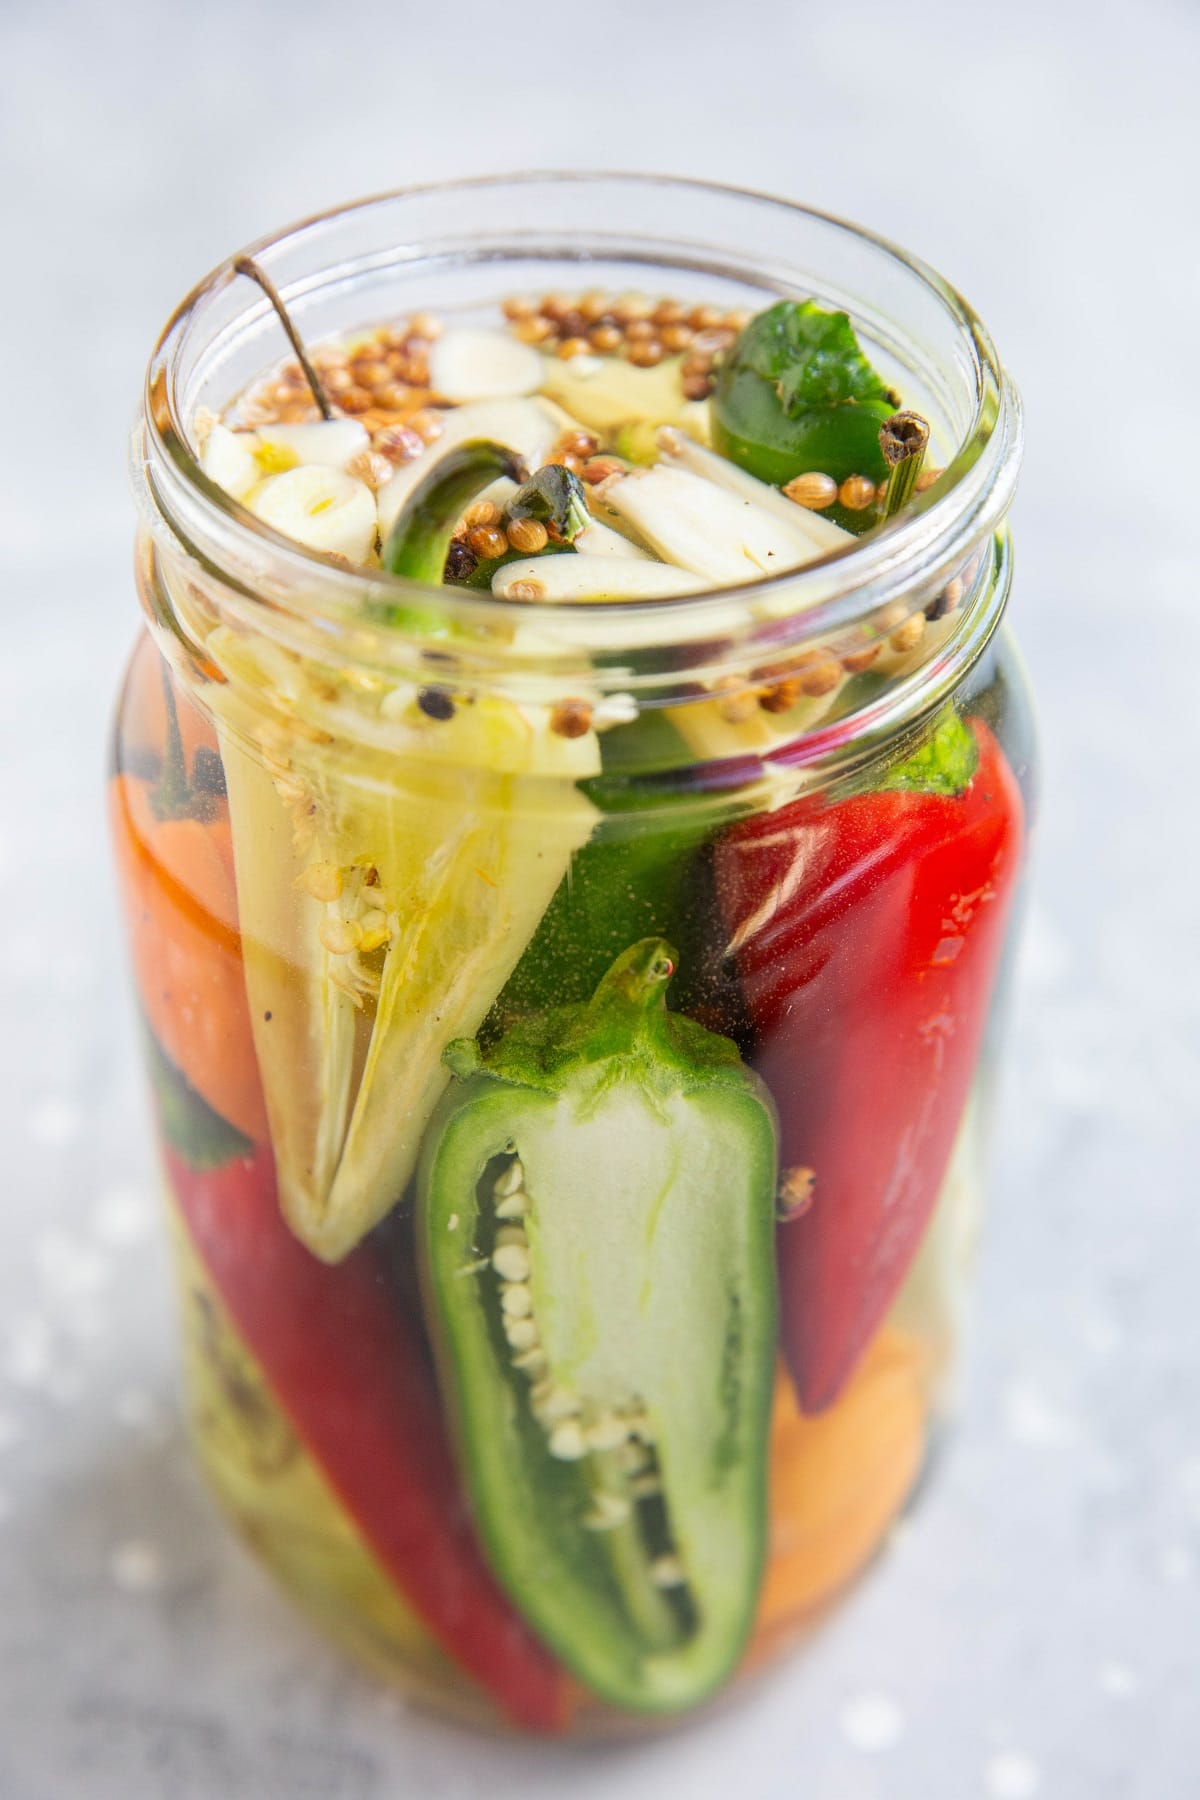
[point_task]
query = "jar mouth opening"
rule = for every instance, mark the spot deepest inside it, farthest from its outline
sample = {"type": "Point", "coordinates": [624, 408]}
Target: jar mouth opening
{"type": "Point", "coordinates": [827, 594]}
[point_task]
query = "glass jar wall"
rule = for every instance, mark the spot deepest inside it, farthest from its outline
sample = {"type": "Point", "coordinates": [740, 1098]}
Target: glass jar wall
{"type": "Point", "coordinates": [569, 1026]}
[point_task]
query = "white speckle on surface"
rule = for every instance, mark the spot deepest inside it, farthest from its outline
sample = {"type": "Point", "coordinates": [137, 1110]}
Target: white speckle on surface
{"type": "Point", "coordinates": [136, 1566]}
{"type": "Point", "coordinates": [138, 1410]}
{"type": "Point", "coordinates": [70, 1269]}
{"type": "Point", "coordinates": [1118, 1679]}
{"type": "Point", "coordinates": [55, 1122]}
{"type": "Point", "coordinates": [1031, 1418]}
{"type": "Point", "coordinates": [1176, 1564]}
{"type": "Point", "coordinates": [27, 1353]}
{"type": "Point", "coordinates": [123, 1215]}
{"type": "Point", "coordinates": [151, 1419]}
{"type": "Point", "coordinates": [872, 1722]}
{"type": "Point", "coordinates": [1012, 1776]}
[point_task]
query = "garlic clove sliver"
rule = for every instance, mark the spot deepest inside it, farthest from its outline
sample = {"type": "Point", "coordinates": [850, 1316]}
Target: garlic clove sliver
{"type": "Point", "coordinates": [323, 509]}
{"type": "Point", "coordinates": [684, 452]}
{"type": "Point", "coordinates": [717, 534]}
{"type": "Point", "coordinates": [470, 363]}
{"type": "Point", "coordinates": [570, 577]}
{"type": "Point", "coordinates": [598, 539]}
{"type": "Point", "coordinates": [331, 443]}
{"type": "Point", "coordinates": [228, 459]}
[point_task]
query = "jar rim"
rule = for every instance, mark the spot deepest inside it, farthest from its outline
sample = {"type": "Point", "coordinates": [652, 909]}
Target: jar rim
{"type": "Point", "coordinates": [832, 592]}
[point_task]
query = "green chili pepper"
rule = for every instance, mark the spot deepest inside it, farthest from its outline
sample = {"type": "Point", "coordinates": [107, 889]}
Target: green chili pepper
{"type": "Point", "coordinates": [417, 545]}
{"type": "Point", "coordinates": [595, 1191]}
{"type": "Point", "coordinates": [636, 876]}
{"type": "Point", "coordinates": [795, 394]}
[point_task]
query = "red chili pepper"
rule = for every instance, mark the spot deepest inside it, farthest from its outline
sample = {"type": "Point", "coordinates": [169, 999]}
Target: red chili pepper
{"type": "Point", "coordinates": [867, 936]}
{"type": "Point", "coordinates": [351, 1372]}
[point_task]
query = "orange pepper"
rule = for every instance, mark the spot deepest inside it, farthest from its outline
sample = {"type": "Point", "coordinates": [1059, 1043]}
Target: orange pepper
{"type": "Point", "coordinates": [839, 1479]}
{"type": "Point", "coordinates": [177, 883]}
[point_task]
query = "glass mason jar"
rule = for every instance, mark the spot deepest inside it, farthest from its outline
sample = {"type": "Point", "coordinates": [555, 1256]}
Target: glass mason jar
{"type": "Point", "coordinates": [567, 1356]}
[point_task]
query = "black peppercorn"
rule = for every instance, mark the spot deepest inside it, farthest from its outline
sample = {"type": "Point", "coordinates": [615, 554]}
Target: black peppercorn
{"type": "Point", "coordinates": [461, 562]}
{"type": "Point", "coordinates": [436, 703]}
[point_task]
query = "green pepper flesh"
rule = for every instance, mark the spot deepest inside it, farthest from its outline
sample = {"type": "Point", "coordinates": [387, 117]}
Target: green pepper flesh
{"type": "Point", "coordinates": [795, 395]}
{"type": "Point", "coordinates": [617, 1472]}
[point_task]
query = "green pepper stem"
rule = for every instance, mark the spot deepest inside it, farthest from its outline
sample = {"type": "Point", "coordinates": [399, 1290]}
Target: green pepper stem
{"type": "Point", "coordinates": [246, 265]}
{"type": "Point", "coordinates": [903, 439]}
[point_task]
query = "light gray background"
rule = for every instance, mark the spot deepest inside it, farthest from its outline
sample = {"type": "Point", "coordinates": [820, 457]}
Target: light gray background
{"type": "Point", "coordinates": [1037, 1630]}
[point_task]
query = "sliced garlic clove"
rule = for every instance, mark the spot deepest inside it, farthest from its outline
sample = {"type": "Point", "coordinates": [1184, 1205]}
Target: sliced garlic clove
{"type": "Point", "coordinates": [329, 443]}
{"type": "Point", "coordinates": [715, 533]}
{"type": "Point", "coordinates": [525, 426]}
{"type": "Point", "coordinates": [684, 452]}
{"type": "Point", "coordinates": [323, 509]}
{"type": "Point", "coordinates": [228, 459]}
{"type": "Point", "coordinates": [598, 539]}
{"type": "Point", "coordinates": [569, 577]}
{"type": "Point", "coordinates": [470, 363]}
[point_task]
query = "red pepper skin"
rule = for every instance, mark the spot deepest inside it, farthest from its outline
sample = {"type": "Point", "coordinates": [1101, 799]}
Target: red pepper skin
{"type": "Point", "coordinates": [351, 1372]}
{"type": "Point", "coordinates": [867, 937]}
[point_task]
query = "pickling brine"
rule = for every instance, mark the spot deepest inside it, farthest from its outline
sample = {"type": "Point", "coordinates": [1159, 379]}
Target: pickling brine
{"type": "Point", "coordinates": [570, 804]}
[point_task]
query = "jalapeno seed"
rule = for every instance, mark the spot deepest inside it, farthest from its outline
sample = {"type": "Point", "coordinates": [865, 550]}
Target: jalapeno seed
{"type": "Point", "coordinates": [511, 1181]}
{"type": "Point", "coordinates": [516, 1300]}
{"type": "Point", "coordinates": [566, 1441]}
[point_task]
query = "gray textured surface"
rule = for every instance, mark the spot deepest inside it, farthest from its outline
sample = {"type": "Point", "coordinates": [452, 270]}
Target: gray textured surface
{"type": "Point", "coordinates": [1037, 1631]}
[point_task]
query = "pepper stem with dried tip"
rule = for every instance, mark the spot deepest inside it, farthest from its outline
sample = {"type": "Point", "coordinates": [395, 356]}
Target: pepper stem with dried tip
{"type": "Point", "coordinates": [246, 265]}
{"type": "Point", "coordinates": [903, 439]}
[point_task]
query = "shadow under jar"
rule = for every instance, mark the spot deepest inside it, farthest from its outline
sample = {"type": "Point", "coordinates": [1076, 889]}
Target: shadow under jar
{"type": "Point", "coordinates": [571, 1025]}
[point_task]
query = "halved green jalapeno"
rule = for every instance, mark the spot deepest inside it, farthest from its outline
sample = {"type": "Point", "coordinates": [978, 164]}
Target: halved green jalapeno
{"type": "Point", "coordinates": [597, 1191]}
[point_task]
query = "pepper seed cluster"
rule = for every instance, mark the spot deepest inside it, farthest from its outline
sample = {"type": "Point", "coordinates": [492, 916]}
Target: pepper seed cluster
{"type": "Point", "coordinates": [571, 1435]}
